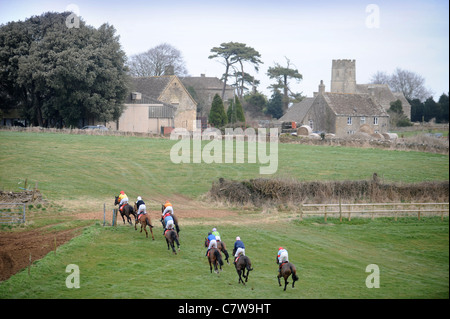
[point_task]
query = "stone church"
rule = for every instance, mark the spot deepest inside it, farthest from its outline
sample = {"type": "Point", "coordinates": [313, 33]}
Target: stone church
{"type": "Point", "coordinates": [348, 108]}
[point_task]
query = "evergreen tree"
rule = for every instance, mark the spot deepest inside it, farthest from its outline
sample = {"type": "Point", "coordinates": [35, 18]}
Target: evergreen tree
{"type": "Point", "coordinates": [231, 112]}
{"type": "Point", "coordinates": [240, 117]}
{"type": "Point", "coordinates": [444, 108]}
{"type": "Point", "coordinates": [275, 105]}
{"type": "Point", "coordinates": [217, 116]}
{"type": "Point", "coordinates": [55, 74]}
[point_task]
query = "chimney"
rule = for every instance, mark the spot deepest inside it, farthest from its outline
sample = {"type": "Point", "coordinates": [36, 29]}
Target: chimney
{"type": "Point", "coordinates": [136, 96]}
{"type": "Point", "coordinates": [202, 75]}
{"type": "Point", "coordinates": [321, 87]}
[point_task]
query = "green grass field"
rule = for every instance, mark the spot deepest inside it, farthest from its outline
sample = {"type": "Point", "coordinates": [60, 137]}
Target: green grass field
{"type": "Point", "coordinates": [118, 262]}
{"type": "Point", "coordinates": [331, 259]}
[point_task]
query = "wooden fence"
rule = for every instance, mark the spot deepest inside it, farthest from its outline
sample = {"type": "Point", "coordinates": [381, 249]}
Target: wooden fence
{"type": "Point", "coordinates": [375, 210]}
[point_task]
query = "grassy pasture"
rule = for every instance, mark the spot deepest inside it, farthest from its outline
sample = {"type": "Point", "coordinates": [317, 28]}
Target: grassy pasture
{"type": "Point", "coordinates": [70, 167]}
{"type": "Point", "coordinates": [331, 259]}
{"type": "Point", "coordinates": [79, 172]}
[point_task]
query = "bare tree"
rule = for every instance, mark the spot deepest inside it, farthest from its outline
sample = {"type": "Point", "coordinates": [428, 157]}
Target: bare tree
{"type": "Point", "coordinates": [156, 61]}
{"type": "Point", "coordinates": [411, 84]}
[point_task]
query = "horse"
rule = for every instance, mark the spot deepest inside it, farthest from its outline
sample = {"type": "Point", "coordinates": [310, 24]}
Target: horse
{"type": "Point", "coordinates": [144, 219]}
{"type": "Point", "coordinates": [214, 258]}
{"type": "Point", "coordinates": [221, 247]}
{"type": "Point", "coordinates": [287, 269]}
{"type": "Point", "coordinates": [241, 264]}
{"type": "Point", "coordinates": [171, 237]}
{"type": "Point", "coordinates": [127, 210]}
{"type": "Point", "coordinates": [175, 220]}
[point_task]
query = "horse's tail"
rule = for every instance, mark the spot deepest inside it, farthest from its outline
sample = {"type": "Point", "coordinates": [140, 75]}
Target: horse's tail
{"type": "Point", "coordinates": [248, 264]}
{"type": "Point", "coordinates": [293, 272]}
{"type": "Point", "coordinates": [148, 222]}
{"type": "Point", "coordinates": [218, 256]}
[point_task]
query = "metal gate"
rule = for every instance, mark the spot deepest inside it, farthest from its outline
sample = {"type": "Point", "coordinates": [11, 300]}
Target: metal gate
{"type": "Point", "coordinates": [11, 213]}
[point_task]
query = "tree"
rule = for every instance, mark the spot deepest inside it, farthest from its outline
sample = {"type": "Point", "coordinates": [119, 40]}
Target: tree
{"type": "Point", "coordinates": [232, 53]}
{"type": "Point", "coordinates": [282, 75]}
{"type": "Point", "coordinates": [275, 105]}
{"type": "Point", "coordinates": [240, 117]}
{"type": "Point", "coordinates": [58, 75]}
{"type": "Point", "coordinates": [411, 84]}
{"type": "Point", "coordinates": [217, 116]}
{"type": "Point", "coordinates": [444, 108]}
{"type": "Point", "coordinates": [396, 115]}
{"type": "Point", "coordinates": [157, 61]}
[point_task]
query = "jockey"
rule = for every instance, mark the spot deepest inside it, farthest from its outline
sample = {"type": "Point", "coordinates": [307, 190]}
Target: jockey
{"type": "Point", "coordinates": [167, 218]}
{"type": "Point", "coordinates": [140, 206]}
{"type": "Point", "coordinates": [123, 200]}
{"type": "Point", "coordinates": [216, 233]}
{"type": "Point", "coordinates": [211, 242]}
{"type": "Point", "coordinates": [282, 257]}
{"type": "Point", "coordinates": [168, 210]}
{"type": "Point", "coordinates": [239, 248]}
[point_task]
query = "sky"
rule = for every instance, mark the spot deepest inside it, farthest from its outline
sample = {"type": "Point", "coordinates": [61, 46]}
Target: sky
{"type": "Point", "coordinates": [380, 35]}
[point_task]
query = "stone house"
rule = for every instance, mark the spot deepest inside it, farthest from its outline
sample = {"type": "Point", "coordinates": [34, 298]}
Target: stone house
{"type": "Point", "coordinates": [157, 102]}
{"type": "Point", "coordinates": [341, 114]}
{"type": "Point", "coordinates": [203, 88]}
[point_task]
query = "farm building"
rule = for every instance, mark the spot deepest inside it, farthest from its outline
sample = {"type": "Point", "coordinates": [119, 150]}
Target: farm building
{"type": "Point", "coordinates": [156, 103]}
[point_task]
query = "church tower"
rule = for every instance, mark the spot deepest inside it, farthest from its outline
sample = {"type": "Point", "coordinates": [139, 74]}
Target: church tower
{"type": "Point", "coordinates": [343, 76]}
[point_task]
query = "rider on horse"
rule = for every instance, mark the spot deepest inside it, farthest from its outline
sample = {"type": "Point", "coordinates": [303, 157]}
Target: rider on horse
{"type": "Point", "coordinates": [123, 200]}
{"type": "Point", "coordinates": [239, 248]}
{"type": "Point", "coordinates": [167, 217]}
{"type": "Point", "coordinates": [211, 241]}
{"type": "Point", "coordinates": [282, 257]}
{"type": "Point", "coordinates": [216, 233]}
{"type": "Point", "coordinates": [141, 209]}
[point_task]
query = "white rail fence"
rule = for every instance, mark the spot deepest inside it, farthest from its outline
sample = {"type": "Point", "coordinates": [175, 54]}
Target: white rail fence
{"type": "Point", "coordinates": [375, 210]}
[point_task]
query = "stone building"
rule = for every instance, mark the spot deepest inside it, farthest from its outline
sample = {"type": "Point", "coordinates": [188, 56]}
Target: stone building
{"type": "Point", "coordinates": [157, 102]}
{"type": "Point", "coordinates": [203, 88]}
{"type": "Point", "coordinates": [343, 80]}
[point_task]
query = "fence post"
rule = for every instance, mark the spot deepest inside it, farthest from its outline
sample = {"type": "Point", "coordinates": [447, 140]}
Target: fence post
{"type": "Point", "coordinates": [104, 214]}
{"type": "Point", "coordinates": [419, 212]}
{"type": "Point", "coordinates": [325, 212]}
{"type": "Point", "coordinates": [301, 211]}
{"type": "Point", "coordinates": [340, 209]}
{"type": "Point", "coordinates": [114, 217]}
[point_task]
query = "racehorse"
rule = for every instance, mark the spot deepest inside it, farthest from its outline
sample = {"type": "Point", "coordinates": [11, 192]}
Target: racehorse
{"type": "Point", "coordinates": [175, 220]}
{"type": "Point", "coordinates": [241, 264]}
{"type": "Point", "coordinates": [221, 247]}
{"type": "Point", "coordinates": [287, 269]}
{"type": "Point", "coordinates": [171, 237]}
{"type": "Point", "coordinates": [144, 219]}
{"type": "Point", "coordinates": [214, 258]}
{"type": "Point", "coordinates": [127, 210]}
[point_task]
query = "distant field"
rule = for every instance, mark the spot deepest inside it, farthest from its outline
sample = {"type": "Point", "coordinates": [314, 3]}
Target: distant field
{"type": "Point", "coordinates": [72, 167]}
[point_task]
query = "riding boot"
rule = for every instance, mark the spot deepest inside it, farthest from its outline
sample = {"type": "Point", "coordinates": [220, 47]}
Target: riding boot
{"type": "Point", "coordinates": [206, 255]}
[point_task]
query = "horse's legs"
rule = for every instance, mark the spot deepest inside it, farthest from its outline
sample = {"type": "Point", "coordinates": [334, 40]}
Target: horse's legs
{"type": "Point", "coordinates": [285, 282]}
{"type": "Point", "coordinates": [145, 228]}
{"type": "Point", "coordinates": [278, 277]}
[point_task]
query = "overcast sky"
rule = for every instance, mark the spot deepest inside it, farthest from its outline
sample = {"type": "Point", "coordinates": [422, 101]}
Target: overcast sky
{"type": "Point", "coordinates": [380, 35]}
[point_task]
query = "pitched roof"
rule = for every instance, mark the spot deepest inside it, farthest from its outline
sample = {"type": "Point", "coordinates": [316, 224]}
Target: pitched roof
{"type": "Point", "coordinates": [297, 111]}
{"type": "Point", "coordinates": [204, 83]}
{"type": "Point", "coordinates": [151, 86]}
{"type": "Point", "coordinates": [354, 104]}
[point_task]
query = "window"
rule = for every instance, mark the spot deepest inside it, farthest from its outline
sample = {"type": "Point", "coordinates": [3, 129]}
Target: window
{"type": "Point", "coordinates": [375, 120]}
{"type": "Point", "coordinates": [311, 124]}
{"type": "Point", "coordinates": [349, 120]}
{"type": "Point", "coordinates": [363, 120]}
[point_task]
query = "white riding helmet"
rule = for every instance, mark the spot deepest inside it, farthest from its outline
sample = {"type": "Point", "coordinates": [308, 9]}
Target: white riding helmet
{"type": "Point", "coordinates": [139, 198]}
